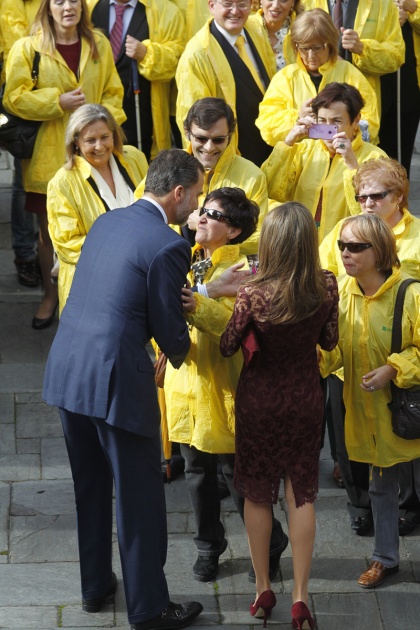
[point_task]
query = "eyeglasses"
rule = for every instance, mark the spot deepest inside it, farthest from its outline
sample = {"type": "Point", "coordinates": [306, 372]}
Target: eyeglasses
{"type": "Point", "coordinates": [205, 139]}
{"type": "Point", "coordinates": [353, 248]}
{"type": "Point", "coordinates": [372, 196]}
{"type": "Point", "coordinates": [226, 4]}
{"type": "Point", "coordinates": [315, 49]}
{"type": "Point", "coordinates": [216, 215]}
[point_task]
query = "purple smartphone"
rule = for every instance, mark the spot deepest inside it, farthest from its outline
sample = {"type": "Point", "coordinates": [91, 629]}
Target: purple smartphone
{"type": "Point", "coordinates": [322, 131]}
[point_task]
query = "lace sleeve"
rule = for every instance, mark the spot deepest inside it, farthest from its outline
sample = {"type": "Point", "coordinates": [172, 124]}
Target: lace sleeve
{"type": "Point", "coordinates": [230, 341]}
{"type": "Point", "coordinates": [328, 337]}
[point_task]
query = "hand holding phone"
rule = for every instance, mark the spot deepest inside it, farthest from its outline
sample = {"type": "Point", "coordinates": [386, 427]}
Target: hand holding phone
{"type": "Point", "coordinates": [322, 131]}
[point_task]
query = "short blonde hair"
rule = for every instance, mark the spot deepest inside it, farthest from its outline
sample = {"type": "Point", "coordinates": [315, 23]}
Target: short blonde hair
{"type": "Point", "coordinates": [372, 229]}
{"type": "Point", "coordinates": [80, 119]}
{"type": "Point", "coordinates": [315, 24]}
{"type": "Point", "coordinates": [390, 173]}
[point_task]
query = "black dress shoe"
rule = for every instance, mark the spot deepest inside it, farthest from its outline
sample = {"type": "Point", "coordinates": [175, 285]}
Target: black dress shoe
{"type": "Point", "coordinates": [361, 525]}
{"type": "Point", "coordinates": [95, 605]}
{"type": "Point", "coordinates": [27, 272]}
{"type": "Point", "coordinates": [406, 527]}
{"type": "Point", "coordinates": [174, 616]}
{"type": "Point", "coordinates": [274, 562]}
{"type": "Point", "coordinates": [41, 323]}
{"type": "Point", "coordinates": [206, 567]}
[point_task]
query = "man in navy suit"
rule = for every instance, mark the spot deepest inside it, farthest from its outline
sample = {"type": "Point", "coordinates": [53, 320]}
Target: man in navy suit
{"type": "Point", "coordinates": [126, 289]}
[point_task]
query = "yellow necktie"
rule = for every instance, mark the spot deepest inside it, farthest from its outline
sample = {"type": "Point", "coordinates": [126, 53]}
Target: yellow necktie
{"type": "Point", "coordinates": [240, 45]}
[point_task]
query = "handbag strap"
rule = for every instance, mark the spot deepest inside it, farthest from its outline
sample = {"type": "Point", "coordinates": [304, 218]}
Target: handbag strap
{"type": "Point", "coordinates": [35, 68]}
{"type": "Point", "coordinates": [396, 338]}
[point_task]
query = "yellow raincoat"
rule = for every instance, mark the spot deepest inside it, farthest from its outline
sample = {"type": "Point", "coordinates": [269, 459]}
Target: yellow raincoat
{"type": "Point", "coordinates": [288, 50]}
{"type": "Point", "coordinates": [164, 47]}
{"type": "Point", "coordinates": [414, 20]}
{"type": "Point", "coordinates": [299, 173]}
{"type": "Point", "coordinates": [378, 27]}
{"type": "Point", "coordinates": [203, 70]}
{"type": "Point", "coordinates": [73, 206]}
{"type": "Point", "coordinates": [195, 14]}
{"type": "Point", "coordinates": [407, 236]}
{"type": "Point", "coordinates": [292, 86]}
{"type": "Point", "coordinates": [200, 395]}
{"type": "Point", "coordinates": [100, 84]}
{"type": "Point", "coordinates": [365, 325]}
{"type": "Point", "coordinates": [16, 17]}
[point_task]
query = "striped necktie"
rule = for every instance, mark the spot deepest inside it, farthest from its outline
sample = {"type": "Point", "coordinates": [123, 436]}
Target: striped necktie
{"type": "Point", "coordinates": [240, 45]}
{"type": "Point", "coordinates": [116, 34]}
{"type": "Point", "coordinates": [338, 14]}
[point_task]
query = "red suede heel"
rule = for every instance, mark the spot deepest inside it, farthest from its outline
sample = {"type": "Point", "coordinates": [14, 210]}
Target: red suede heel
{"type": "Point", "coordinates": [264, 603]}
{"type": "Point", "coordinates": [301, 617]}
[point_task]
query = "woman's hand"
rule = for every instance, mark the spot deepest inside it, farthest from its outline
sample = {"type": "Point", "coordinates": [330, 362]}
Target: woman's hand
{"type": "Point", "coordinates": [379, 378]}
{"type": "Point", "coordinates": [188, 299]}
{"type": "Point", "coordinates": [193, 219]}
{"type": "Point", "coordinates": [342, 145]}
{"type": "Point", "coordinates": [228, 283]}
{"type": "Point", "coordinates": [306, 110]}
{"type": "Point", "coordinates": [350, 40]}
{"type": "Point", "coordinates": [70, 101]}
{"type": "Point", "coordinates": [134, 48]}
{"type": "Point", "coordinates": [299, 131]}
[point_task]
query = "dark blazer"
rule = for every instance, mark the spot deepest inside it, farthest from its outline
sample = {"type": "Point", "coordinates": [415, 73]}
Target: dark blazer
{"type": "Point", "coordinates": [126, 289]}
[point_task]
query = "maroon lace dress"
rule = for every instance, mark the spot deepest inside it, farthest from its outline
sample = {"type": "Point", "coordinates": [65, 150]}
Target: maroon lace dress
{"type": "Point", "coordinates": [279, 402]}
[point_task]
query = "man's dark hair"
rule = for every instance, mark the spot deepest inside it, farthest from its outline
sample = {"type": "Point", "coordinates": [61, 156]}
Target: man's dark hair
{"type": "Point", "coordinates": [241, 211]}
{"type": "Point", "coordinates": [339, 92]}
{"type": "Point", "coordinates": [207, 111]}
{"type": "Point", "coordinates": [172, 168]}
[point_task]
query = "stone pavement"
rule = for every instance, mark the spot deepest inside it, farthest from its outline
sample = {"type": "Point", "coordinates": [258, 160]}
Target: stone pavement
{"type": "Point", "coordinates": [39, 573]}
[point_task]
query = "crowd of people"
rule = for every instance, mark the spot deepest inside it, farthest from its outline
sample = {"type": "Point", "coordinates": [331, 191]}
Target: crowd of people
{"type": "Point", "coordinates": [230, 179]}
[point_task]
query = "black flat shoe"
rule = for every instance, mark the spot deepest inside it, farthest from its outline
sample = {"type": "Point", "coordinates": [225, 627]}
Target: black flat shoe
{"type": "Point", "coordinates": [95, 605]}
{"type": "Point", "coordinates": [406, 527]}
{"type": "Point", "coordinates": [361, 525]}
{"type": "Point", "coordinates": [45, 322]}
{"type": "Point", "coordinates": [173, 617]}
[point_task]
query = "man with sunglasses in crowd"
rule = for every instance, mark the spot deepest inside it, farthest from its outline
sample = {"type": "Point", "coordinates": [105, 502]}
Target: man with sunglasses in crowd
{"type": "Point", "coordinates": [209, 126]}
{"type": "Point", "coordinates": [224, 59]}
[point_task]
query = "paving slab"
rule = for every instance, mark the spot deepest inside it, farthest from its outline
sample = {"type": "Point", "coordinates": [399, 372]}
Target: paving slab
{"type": "Point", "coordinates": [335, 611]}
{"type": "Point", "coordinates": [7, 409]}
{"type": "Point", "coordinates": [28, 445]}
{"type": "Point", "coordinates": [7, 439]}
{"type": "Point", "coordinates": [42, 538]}
{"type": "Point", "coordinates": [73, 616]}
{"type": "Point", "coordinates": [20, 467]}
{"type": "Point", "coordinates": [55, 463]}
{"type": "Point", "coordinates": [18, 377]}
{"type": "Point", "coordinates": [45, 584]}
{"type": "Point", "coordinates": [20, 343]}
{"type": "Point", "coordinates": [37, 420]}
{"type": "Point", "coordinates": [18, 617]}
{"type": "Point", "coordinates": [4, 518]}
{"type": "Point", "coordinates": [46, 497]}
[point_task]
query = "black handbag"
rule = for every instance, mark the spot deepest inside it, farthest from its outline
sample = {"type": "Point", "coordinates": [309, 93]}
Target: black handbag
{"type": "Point", "coordinates": [18, 135]}
{"type": "Point", "coordinates": [405, 403]}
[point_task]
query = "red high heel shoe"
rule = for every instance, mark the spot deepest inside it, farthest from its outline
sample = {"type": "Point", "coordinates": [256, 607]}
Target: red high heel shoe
{"type": "Point", "coordinates": [301, 617]}
{"type": "Point", "coordinates": [263, 606]}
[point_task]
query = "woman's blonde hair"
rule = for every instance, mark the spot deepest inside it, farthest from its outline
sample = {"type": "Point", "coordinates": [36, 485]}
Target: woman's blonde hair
{"type": "Point", "coordinates": [315, 24]}
{"type": "Point", "coordinates": [372, 229]}
{"type": "Point", "coordinates": [44, 25]}
{"type": "Point", "coordinates": [289, 261]}
{"type": "Point", "coordinates": [390, 173]}
{"type": "Point", "coordinates": [80, 119]}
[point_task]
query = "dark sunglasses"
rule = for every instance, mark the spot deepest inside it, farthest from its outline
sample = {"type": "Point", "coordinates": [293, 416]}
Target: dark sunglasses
{"type": "Point", "coordinates": [372, 196]}
{"type": "Point", "coordinates": [353, 248]}
{"type": "Point", "coordinates": [216, 215]}
{"type": "Point", "coordinates": [204, 139]}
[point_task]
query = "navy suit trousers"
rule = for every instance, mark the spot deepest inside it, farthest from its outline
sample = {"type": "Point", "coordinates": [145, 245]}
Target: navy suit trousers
{"type": "Point", "coordinates": [100, 454]}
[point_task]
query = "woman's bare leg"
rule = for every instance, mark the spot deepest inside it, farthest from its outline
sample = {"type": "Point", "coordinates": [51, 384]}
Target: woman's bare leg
{"type": "Point", "coordinates": [302, 527]}
{"type": "Point", "coordinates": [258, 523]}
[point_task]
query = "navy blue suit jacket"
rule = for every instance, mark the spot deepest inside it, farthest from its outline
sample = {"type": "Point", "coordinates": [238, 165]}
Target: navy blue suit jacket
{"type": "Point", "coordinates": [126, 289]}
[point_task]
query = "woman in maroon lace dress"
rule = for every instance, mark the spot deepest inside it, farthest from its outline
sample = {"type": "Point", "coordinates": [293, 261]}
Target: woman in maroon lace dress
{"type": "Point", "coordinates": [292, 306]}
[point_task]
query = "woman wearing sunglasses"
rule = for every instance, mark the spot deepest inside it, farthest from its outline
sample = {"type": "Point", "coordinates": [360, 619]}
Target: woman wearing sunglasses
{"type": "Point", "coordinates": [292, 89]}
{"type": "Point", "coordinates": [381, 187]}
{"type": "Point", "coordinates": [200, 395]}
{"type": "Point", "coordinates": [366, 310]}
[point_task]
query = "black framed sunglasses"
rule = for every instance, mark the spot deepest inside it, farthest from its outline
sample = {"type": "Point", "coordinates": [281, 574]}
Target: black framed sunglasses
{"type": "Point", "coordinates": [353, 248]}
{"type": "Point", "coordinates": [216, 215]}
{"type": "Point", "coordinates": [373, 196]}
{"type": "Point", "coordinates": [204, 139]}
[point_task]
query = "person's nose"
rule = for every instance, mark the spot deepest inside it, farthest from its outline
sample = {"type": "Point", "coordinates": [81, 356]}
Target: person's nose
{"type": "Point", "coordinates": [369, 203]}
{"type": "Point", "coordinates": [235, 9]}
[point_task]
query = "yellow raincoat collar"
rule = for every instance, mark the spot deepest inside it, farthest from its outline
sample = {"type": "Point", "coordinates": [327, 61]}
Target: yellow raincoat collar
{"type": "Point", "coordinates": [403, 223]}
{"type": "Point", "coordinates": [395, 277]}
